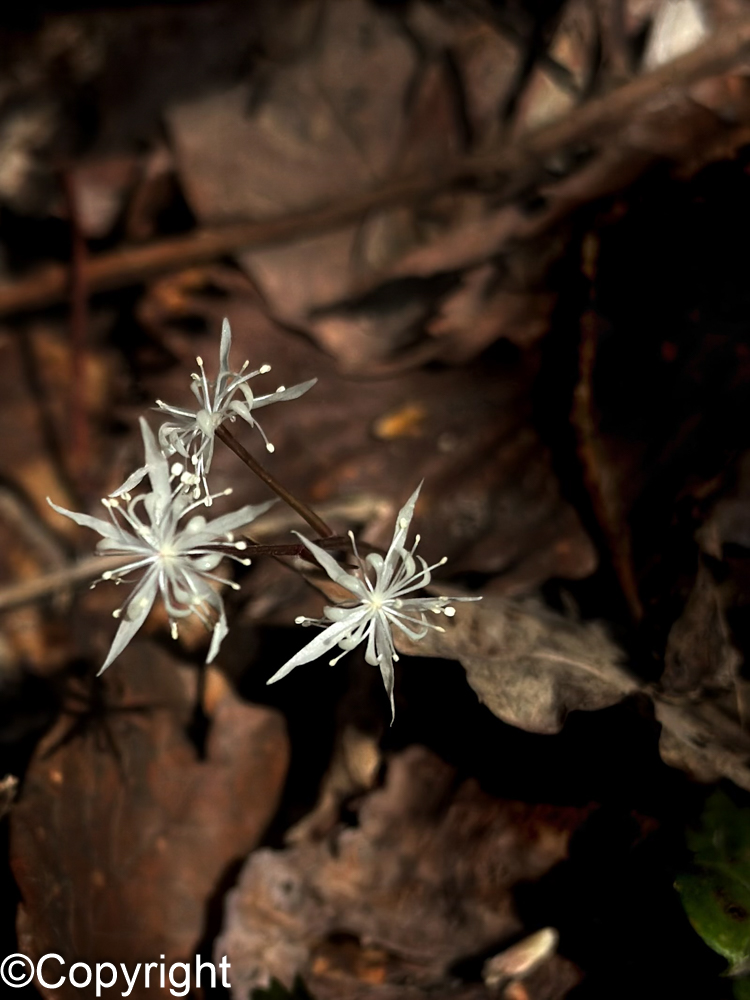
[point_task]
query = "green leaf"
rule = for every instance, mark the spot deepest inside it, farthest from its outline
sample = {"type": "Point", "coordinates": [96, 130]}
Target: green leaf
{"type": "Point", "coordinates": [716, 892]}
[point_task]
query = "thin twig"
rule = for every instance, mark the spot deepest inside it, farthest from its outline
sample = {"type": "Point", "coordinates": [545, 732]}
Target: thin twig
{"type": "Point", "coordinates": [518, 161]}
{"type": "Point", "coordinates": [93, 567]}
{"type": "Point", "coordinates": [605, 501]}
{"type": "Point", "coordinates": [316, 523]}
{"type": "Point", "coordinates": [78, 427]}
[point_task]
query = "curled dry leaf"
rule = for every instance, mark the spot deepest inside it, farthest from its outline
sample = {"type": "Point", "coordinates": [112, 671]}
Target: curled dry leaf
{"type": "Point", "coordinates": [123, 834]}
{"type": "Point", "coordinates": [528, 664]}
{"type": "Point", "coordinates": [386, 910]}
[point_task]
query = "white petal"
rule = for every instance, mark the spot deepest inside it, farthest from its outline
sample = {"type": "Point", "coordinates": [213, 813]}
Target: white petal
{"type": "Point", "coordinates": [104, 528]}
{"type": "Point", "coordinates": [131, 482]}
{"type": "Point", "coordinates": [386, 672]}
{"type": "Point", "coordinates": [216, 530]}
{"type": "Point", "coordinates": [320, 644]}
{"type": "Point", "coordinates": [293, 392]}
{"type": "Point", "coordinates": [141, 603]}
{"type": "Point", "coordinates": [332, 568]}
{"type": "Point", "coordinates": [403, 521]}
{"type": "Point", "coordinates": [242, 410]}
{"type": "Point", "coordinates": [225, 348]}
{"type": "Point", "coordinates": [220, 633]}
{"type": "Point", "coordinates": [158, 470]}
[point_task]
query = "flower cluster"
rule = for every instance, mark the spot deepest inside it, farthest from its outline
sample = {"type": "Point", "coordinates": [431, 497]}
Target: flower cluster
{"type": "Point", "coordinates": [160, 534]}
{"type": "Point", "coordinates": [380, 603]}
{"type": "Point", "coordinates": [177, 559]}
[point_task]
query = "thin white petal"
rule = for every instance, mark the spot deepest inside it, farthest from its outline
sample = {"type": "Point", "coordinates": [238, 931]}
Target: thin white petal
{"type": "Point", "coordinates": [158, 469]}
{"type": "Point", "coordinates": [403, 521]}
{"type": "Point", "coordinates": [104, 528]}
{"type": "Point", "coordinates": [131, 482]}
{"type": "Point", "coordinates": [144, 596]}
{"type": "Point", "coordinates": [293, 392]}
{"type": "Point", "coordinates": [219, 634]}
{"type": "Point", "coordinates": [386, 672]}
{"type": "Point", "coordinates": [320, 644]}
{"type": "Point", "coordinates": [225, 348]}
{"type": "Point", "coordinates": [332, 568]}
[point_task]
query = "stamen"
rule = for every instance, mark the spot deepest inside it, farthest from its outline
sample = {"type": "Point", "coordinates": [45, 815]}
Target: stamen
{"type": "Point", "coordinates": [173, 630]}
{"type": "Point", "coordinates": [117, 613]}
{"type": "Point", "coordinates": [282, 388]}
{"type": "Point", "coordinates": [264, 369]}
{"type": "Point", "coordinates": [449, 612]}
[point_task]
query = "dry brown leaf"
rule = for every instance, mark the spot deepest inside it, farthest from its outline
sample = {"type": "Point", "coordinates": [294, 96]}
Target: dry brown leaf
{"type": "Point", "coordinates": [386, 908]}
{"type": "Point", "coordinates": [330, 123]}
{"type": "Point", "coordinates": [529, 665]}
{"type": "Point", "coordinates": [699, 651]}
{"type": "Point", "coordinates": [123, 833]}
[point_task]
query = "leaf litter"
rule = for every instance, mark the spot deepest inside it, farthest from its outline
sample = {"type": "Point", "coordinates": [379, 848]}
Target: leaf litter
{"type": "Point", "coordinates": [462, 159]}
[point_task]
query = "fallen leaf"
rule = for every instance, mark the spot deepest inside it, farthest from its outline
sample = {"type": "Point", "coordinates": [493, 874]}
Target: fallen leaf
{"type": "Point", "coordinates": [424, 880]}
{"type": "Point", "coordinates": [529, 665]}
{"type": "Point", "coordinates": [123, 834]}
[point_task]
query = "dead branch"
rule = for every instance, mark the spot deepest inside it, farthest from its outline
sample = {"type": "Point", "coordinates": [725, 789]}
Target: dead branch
{"type": "Point", "coordinates": [593, 120]}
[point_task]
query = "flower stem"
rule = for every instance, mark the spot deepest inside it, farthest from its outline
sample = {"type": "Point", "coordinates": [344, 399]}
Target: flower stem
{"type": "Point", "coordinates": [332, 542]}
{"type": "Point", "coordinates": [315, 522]}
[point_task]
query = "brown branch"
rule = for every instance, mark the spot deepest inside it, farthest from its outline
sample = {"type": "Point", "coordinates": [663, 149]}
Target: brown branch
{"type": "Point", "coordinates": [315, 522]}
{"type": "Point", "coordinates": [593, 120]}
{"type": "Point", "coordinates": [28, 591]}
{"type": "Point", "coordinates": [598, 477]}
{"type": "Point", "coordinates": [78, 427]}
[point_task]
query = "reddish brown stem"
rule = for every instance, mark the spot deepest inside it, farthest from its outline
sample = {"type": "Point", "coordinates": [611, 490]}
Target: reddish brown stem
{"type": "Point", "coordinates": [78, 291]}
{"type": "Point", "coordinates": [316, 523]}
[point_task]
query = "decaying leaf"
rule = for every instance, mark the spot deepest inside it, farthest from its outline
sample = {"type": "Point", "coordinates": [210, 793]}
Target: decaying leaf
{"type": "Point", "coordinates": [699, 651]}
{"type": "Point", "coordinates": [386, 909]}
{"type": "Point", "coordinates": [528, 664]}
{"type": "Point", "coordinates": [123, 832]}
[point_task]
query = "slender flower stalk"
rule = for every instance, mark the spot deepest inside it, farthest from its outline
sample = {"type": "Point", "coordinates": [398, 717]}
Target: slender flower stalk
{"type": "Point", "coordinates": [176, 560]}
{"type": "Point", "coordinates": [379, 603]}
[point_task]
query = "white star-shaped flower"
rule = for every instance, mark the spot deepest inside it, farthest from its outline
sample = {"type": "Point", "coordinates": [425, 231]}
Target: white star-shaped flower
{"type": "Point", "coordinates": [191, 433]}
{"type": "Point", "coordinates": [177, 559]}
{"type": "Point", "coordinates": [379, 604]}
